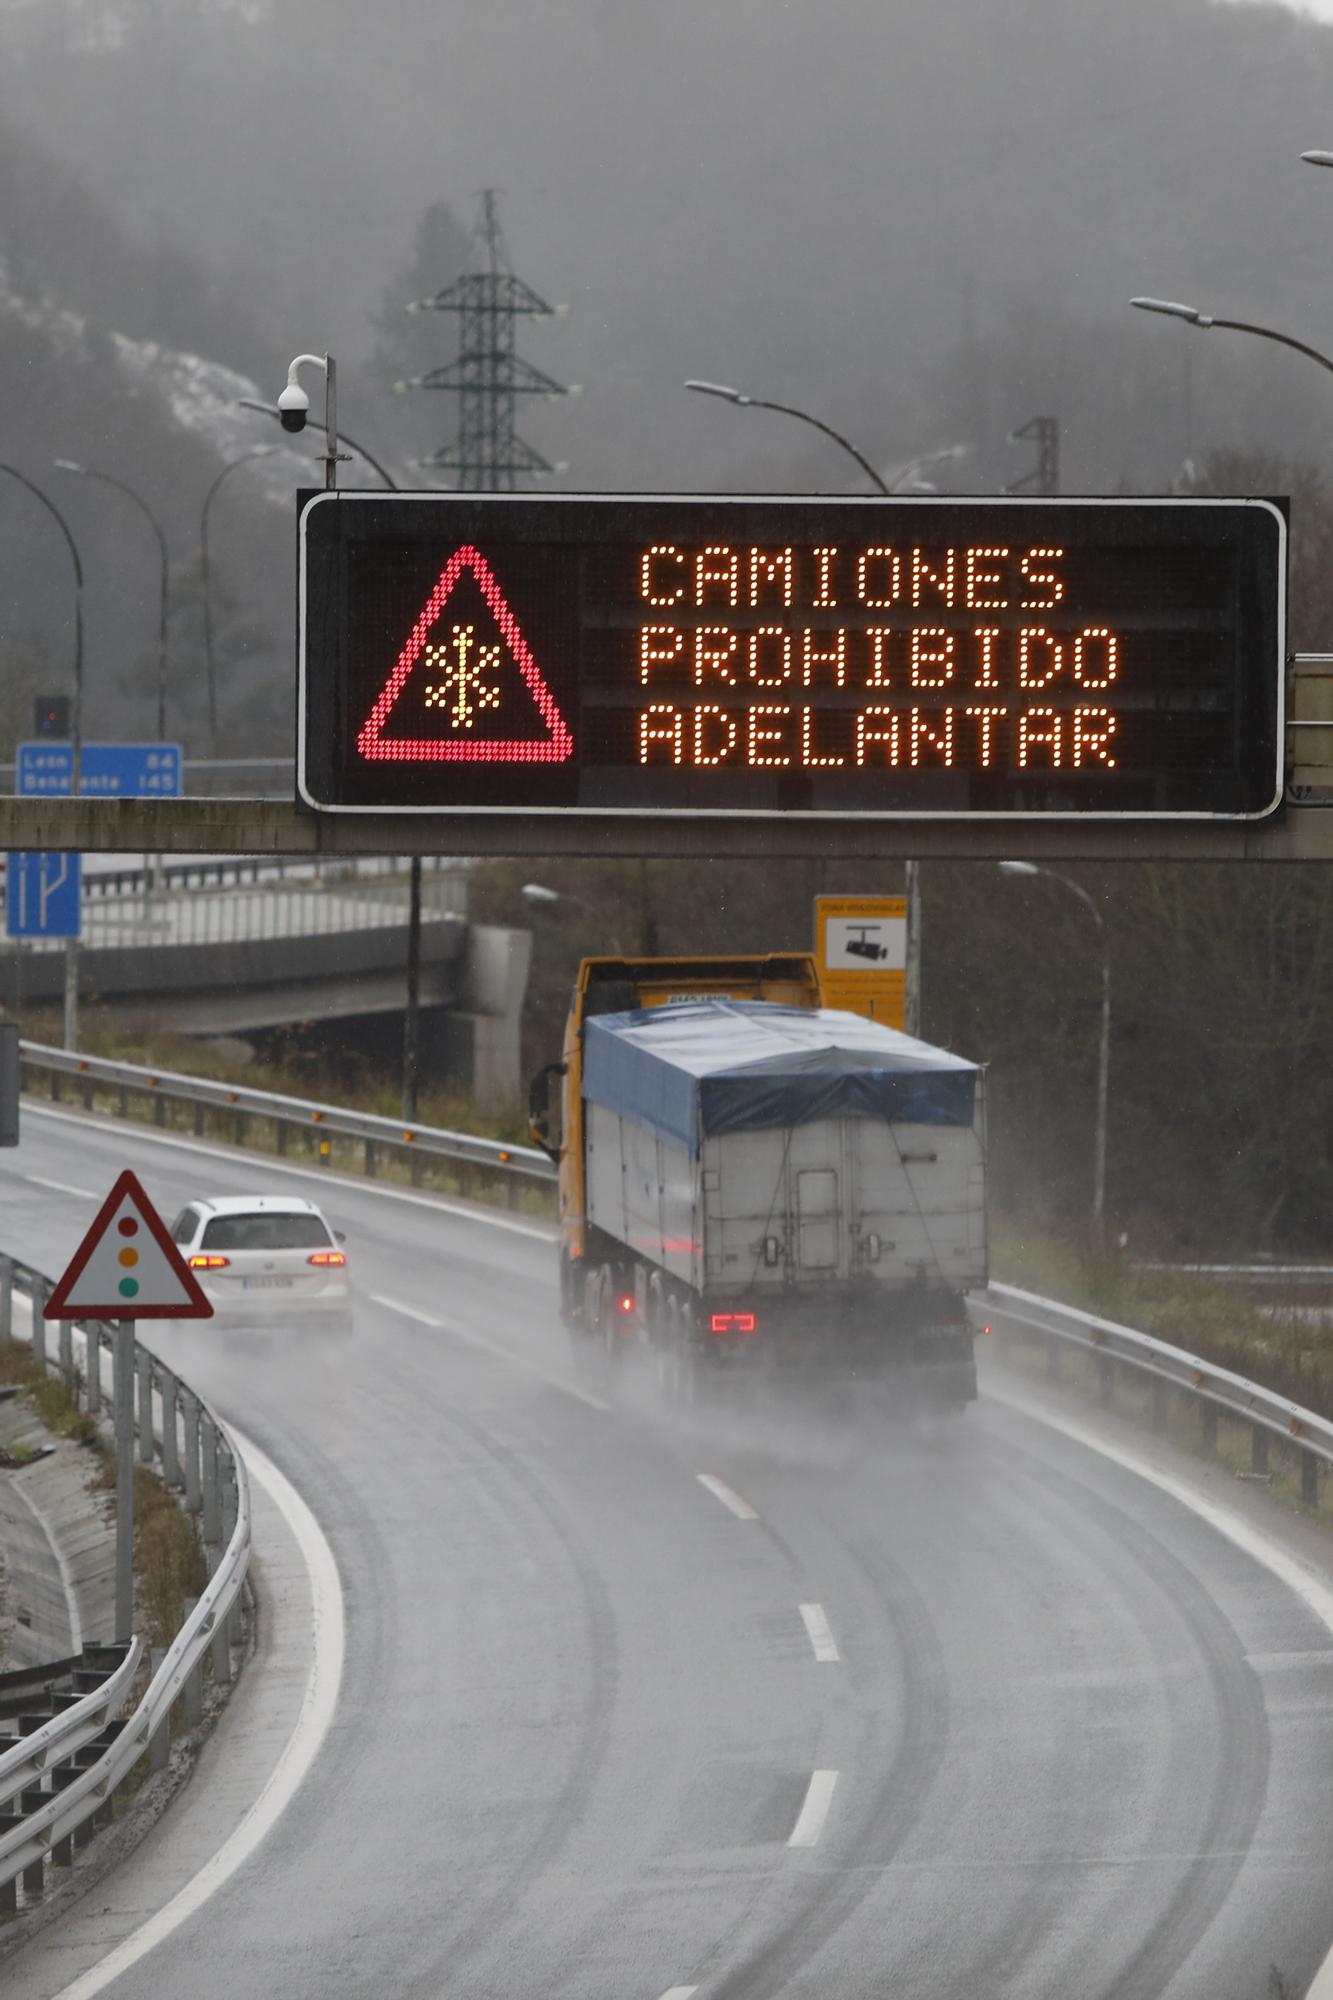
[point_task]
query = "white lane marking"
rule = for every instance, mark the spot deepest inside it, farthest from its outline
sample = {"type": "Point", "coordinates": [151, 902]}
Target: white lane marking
{"type": "Point", "coordinates": [810, 1820]}
{"type": "Point", "coordinates": [679, 1992]}
{"type": "Point", "coordinates": [60, 1187]}
{"type": "Point", "coordinates": [408, 1312]}
{"type": "Point", "coordinates": [1298, 1576]}
{"type": "Point", "coordinates": [821, 1635]}
{"type": "Point", "coordinates": [721, 1491]}
{"type": "Point", "coordinates": [494, 1347]}
{"type": "Point", "coordinates": [322, 1176]}
{"type": "Point", "coordinates": [298, 1754]}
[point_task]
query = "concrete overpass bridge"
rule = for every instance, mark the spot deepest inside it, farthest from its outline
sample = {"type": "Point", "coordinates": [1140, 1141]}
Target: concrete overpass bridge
{"type": "Point", "coordinates": [224, 945]}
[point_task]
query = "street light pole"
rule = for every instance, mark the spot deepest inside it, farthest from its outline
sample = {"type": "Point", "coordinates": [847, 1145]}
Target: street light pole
{"type": "Point", "coordinates": [110, 479]}
{"type": "Point", "coordinates": [1172, 309]}
{"type": "Point", "coordinates": [71, 1025]}
{"type": "Point", "coordinates": [1103, 1034]}
{"type": "Point", "coordinates": [802, 416]}
{"type": "Point", "coordinates": [911, 869]}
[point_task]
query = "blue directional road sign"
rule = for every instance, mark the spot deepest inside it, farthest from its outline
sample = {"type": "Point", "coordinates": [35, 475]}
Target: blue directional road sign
{"type": "Point", "coordinates": [106, 770]}
{"type": "Point", "coordinates": [42, 895]}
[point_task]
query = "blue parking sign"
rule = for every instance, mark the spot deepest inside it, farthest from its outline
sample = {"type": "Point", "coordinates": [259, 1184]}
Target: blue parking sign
{"type": "Point", "coordinates": [42, 895]}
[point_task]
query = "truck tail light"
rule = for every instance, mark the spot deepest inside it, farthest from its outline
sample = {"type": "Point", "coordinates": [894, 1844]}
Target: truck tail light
{"type": "Point", "coordinates": [627, 1302]}
{"type": "Point", "coordinates": [209, 1263]}
{"type": "Point", "coordinates": [734, 1323]}
{"type": "Point", "coordinates": [327, 1257]}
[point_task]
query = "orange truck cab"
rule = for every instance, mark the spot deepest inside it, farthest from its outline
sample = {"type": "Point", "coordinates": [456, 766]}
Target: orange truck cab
{"type": "Point", "coordinates": [620, 985]}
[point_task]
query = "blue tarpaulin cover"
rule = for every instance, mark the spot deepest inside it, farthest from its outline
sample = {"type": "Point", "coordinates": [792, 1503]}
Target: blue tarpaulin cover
{"type": "Point", "coordinates": [701, 1067]}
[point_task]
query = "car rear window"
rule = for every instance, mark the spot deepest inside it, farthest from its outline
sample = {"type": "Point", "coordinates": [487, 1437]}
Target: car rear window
{"type": "Point", "coordinates": [266, 1231]}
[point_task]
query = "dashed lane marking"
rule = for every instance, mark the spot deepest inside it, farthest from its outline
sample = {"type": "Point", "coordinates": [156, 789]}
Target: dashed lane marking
{"type": "Point", "coordinates": [818, 1798]}
{"type": "Point", "coordinates": [60, 1187]}
{"type": "Point", "coordinates": [732, 1501]}
{"type": "Point", "coordinates": [821, 1635]}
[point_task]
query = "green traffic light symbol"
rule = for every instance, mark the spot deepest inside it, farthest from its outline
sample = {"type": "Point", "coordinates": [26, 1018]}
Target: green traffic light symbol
{"type": "Point", "coordinates": [128, 1288]}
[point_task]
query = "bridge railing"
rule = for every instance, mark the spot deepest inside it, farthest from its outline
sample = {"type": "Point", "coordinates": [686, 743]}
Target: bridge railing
{"type": "Point", "coordinates": [59, 1774]}
{"type": "Point", "coordinates": [475, 1164]}
{"type": "Point", "coordinates": [1215, 1390]}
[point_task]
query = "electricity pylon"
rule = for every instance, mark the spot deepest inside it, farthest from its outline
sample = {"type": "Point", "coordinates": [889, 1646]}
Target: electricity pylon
{"type": "Point", "coordinates": [488, 376]}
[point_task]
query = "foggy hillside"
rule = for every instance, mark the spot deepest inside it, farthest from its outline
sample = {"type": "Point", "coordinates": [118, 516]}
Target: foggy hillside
{"type": "Point", "coordinates": [924, 224]}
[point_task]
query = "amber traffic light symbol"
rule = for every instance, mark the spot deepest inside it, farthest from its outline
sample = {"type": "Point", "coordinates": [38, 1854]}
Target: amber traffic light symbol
{"type": "Point", "coordinates": [473, 676]}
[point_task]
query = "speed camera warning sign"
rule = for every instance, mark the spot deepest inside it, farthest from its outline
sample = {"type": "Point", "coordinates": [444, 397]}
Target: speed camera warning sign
{"type": "Point", "coordinates": [861, 953]}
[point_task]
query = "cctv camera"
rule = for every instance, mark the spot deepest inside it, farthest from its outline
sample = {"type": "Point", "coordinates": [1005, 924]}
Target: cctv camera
{"type": "Point", "coordinates": [293, 407]}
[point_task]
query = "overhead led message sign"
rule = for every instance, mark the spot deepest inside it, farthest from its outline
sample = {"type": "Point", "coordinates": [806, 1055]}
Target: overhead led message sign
{"type": "Point", "coordinates": [881, 658]}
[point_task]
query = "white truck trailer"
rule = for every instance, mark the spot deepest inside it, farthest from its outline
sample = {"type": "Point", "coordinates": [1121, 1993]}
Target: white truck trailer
{"type": "Point", "coordinates": [784, 1184]}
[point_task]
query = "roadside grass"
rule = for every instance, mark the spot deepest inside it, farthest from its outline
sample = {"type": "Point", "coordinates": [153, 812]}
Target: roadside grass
{"type": "Point", "coordinates": [1287, 1348]}
{"type": "Point", "coordinates": [122, 1040]}
{"type": "Point", "coordinates": [169, 1561]}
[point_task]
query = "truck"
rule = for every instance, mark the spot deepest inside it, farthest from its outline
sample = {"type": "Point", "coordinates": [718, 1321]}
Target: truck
{"type": "Point", "coordinates": [748, 1179]}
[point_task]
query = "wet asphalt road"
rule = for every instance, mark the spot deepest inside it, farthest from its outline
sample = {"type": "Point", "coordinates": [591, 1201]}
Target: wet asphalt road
{"type": "Point", "coordinates": [1039, 1730]}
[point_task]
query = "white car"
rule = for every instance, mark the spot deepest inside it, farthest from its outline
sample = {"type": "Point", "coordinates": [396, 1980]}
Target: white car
{"type": "Point", "coordinates": [266, 1260]}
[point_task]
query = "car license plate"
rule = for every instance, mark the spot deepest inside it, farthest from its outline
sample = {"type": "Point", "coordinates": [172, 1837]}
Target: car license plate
{"type": "Point", "coordinates": [264, 1284]}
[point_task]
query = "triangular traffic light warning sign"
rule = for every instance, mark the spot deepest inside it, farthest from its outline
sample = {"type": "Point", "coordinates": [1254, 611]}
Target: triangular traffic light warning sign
{"type": "Point", "coordinates": [127, 1266]}
{"type": "Point", "coordinates": [467, 684]}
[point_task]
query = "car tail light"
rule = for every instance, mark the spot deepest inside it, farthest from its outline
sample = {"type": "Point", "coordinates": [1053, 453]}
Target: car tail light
{"type": "Point", "coordinates": [327, 1257]}
{"type": "Point", "coordinates": [627, 1302]}
{"type": "Point", "coordinates": [208, 1263]}
{"type": "Point", "coordinates": [734, 1323]}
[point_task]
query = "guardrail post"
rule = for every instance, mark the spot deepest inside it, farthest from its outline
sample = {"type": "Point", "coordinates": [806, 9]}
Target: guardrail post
{"type": "Point", "coordinates": [192, 1690]}
{"type": "Point", "coordinates": [1309, 1479]}
{"type": "Point", "coordinates": [9, 1897]}
{"type": "Point", "coordinates": [280, 1137]}
{"type": "Point", "coordinates": [171, 1466]}
{"type": "Point", "coordinates": [212, 1497]}
{"type": "Point", "coordinates": [35, 1877]}
{"type": "Point", "coordinates": [143, 1368]}
{"type": "Point", "coordinates": [92, 1365]}
{"type": "Point", "coordinates": [370, 1159]}
{"type": "Point", "coordinates": [159, 1743]}
{"type": "Point", "coordinates": [159, 1108]}
{"type": "Point", "coordinates": [87, 1093]}
{"type": "Point", "coordinates": [38, 1296]}
{"type": "Point", "coordinates": [193, 1484]}
{"type": "Point", "coordinates": [1258, 1450]}
{"type": "Point", "coordinates": [1208, 1422]}
{"type": "Point", "coordinates": [6, 1298]}
{"type": "Point", "coordinates": [199, 1118]}
{"type": "Point", "coordinates": [65, 1341]}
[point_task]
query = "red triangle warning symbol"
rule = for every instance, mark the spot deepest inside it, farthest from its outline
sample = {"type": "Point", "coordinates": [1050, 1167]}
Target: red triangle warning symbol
{"type": "Point", "coordinates": [466, 688]}
{"type": "Point", "coordinates": [127, 1266]}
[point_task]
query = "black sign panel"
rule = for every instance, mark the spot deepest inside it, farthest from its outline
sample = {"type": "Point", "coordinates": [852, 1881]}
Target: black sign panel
{"type": "Point", "coordinates": [895, 658]}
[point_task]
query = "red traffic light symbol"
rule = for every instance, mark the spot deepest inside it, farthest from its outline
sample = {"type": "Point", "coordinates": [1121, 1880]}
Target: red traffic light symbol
{"type": "Point", "coordinates": [470, 691]}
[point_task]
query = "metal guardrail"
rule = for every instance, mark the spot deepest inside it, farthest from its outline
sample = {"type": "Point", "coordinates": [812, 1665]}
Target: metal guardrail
{"type": "Point", "coordinates": [1268, 1414]}
{"type": "Point", "coordinates": [511, 1166]}
{"type": "Point", "coordinates": [51, 1774]}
